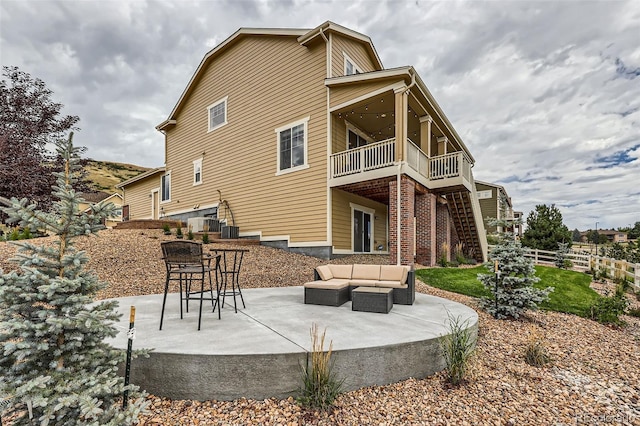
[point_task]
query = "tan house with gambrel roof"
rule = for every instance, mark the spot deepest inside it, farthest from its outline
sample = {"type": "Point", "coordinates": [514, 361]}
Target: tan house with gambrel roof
{"type": "Point", "coordinates": [319, 149]}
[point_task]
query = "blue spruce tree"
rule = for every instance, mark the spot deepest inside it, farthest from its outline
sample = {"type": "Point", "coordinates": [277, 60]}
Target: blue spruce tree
{"type": "Point", "coordinates": [512, 292]}
{"type": "Point", "coordinates": [54, 355]}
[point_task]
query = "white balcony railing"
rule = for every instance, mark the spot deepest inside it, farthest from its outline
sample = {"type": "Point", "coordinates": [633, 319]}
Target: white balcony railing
{"type": "Point", "coordinates": [382, 154]}
{"type": "Point", "coordinates": [450, 165]}
{"type": "Point", "coordinates": [417, 159]}
{"type": "Point", "coordinates": [368, 157]}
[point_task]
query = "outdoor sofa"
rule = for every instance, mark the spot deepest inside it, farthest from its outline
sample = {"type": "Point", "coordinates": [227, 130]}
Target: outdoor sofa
{"type": "Point", "coordinates": [333, 284]}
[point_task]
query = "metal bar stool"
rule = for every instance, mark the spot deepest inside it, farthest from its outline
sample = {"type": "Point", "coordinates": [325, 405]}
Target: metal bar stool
{"type": "Point", "coordinates": [185, 263]}
{"type": "Point", "coordinates": [230, 266]}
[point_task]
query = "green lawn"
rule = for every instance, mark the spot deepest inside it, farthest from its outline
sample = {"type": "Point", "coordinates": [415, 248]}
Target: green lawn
{"type": "Point", "coordinates": [572, 293]}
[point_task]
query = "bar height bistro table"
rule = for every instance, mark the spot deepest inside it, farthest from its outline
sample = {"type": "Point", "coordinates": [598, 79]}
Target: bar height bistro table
{"type": "Point", "coordinates": [229, 270]}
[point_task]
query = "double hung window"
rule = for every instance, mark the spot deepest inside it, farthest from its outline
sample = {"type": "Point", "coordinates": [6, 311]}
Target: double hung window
{"type": "Point", "coordinates": [217, 114]}
{"type": "Point", "coordinates": [292, 146]}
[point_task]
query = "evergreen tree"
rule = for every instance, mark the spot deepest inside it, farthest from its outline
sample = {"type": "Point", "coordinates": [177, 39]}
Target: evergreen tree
{"type": "Point", "coordinates": [561, 256]}
{"type": "Point", "coordinates": [576, 236]}
{"type": "Point", "coordinates": [514, 292]}
{"type": "Point", "coordinates": [54, 351]}
{"type": "Point", "coordinates": [545, 229]}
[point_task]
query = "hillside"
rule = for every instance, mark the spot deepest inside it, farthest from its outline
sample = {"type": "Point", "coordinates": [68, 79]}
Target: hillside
{"type": "Point", "coordinates": [105, 174]}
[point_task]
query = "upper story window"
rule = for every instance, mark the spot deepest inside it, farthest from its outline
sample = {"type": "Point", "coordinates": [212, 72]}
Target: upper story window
{"type": "Point", "coordinates": [197, 171]}
{"type": "Point", "coordinates": [485, 194]}
{"type": "Point", "coordinates": [165, 187]}
{"type": "Point", "coordinates": [217, 114]}
{"type": "Point", "coordinates": [292, 146]}
{"type": "Point", "coordinates": [350, 66]}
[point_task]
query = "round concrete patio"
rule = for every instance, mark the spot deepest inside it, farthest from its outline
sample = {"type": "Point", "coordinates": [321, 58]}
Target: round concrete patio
{"type": "Point", "coordinates": [257, 352]}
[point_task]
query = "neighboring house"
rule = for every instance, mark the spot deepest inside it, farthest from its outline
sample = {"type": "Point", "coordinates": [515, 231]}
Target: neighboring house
{"type": "Point", "coordinates": [141, 195]}
{"type": "Point", "coordinates": [614, 236]}
{"type": "Point", "coordinates": [316, 148]}
{"type": "Point", "coordinates": [495, 203]}
{"type": "Point", "coordinates": [91, 199]}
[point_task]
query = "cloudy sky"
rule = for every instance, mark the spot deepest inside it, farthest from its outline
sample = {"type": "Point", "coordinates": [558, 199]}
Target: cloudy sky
{"type": "Point", "coordinates": [546, 95]}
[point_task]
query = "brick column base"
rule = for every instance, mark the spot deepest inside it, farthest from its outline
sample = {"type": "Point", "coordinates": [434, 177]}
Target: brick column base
{"type": "Point", "coordinates": [407, 213]}
{"type": "Point", "coordinates": [426, 250]}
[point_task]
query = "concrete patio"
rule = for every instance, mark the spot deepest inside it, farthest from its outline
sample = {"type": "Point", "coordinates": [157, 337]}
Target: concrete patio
{"type": "Point", "coordinates": [257, 352]}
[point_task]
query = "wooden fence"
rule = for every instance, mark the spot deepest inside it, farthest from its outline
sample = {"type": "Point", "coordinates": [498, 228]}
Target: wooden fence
{"type": "Point", "coordinates": [585, 261]}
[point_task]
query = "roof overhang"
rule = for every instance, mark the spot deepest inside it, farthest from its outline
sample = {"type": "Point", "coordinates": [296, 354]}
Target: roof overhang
{"type": "Point", "coordinates": [402, 72]}
{"type": "Point", "coordinates": [409, 75]}
{"type": "Point", "coordinates": [140, 177]}
{"type": "Point", "coordinates": [329, 26]}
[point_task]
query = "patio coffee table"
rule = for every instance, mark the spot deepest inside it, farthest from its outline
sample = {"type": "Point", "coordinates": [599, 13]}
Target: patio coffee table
{"type": "Point", "coordinates": [372, 299]}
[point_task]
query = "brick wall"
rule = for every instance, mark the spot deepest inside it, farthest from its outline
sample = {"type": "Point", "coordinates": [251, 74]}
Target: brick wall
{"type": "Point", "coordinates": [426, 250]}
{"type": "Point", "coordinates": [407, 213]}
{"type": "Point", "coordinates": [443, 229]}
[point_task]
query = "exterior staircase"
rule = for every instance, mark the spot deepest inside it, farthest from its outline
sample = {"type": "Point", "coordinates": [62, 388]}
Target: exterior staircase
{"type": "Point", "coordinates": [467, 219]}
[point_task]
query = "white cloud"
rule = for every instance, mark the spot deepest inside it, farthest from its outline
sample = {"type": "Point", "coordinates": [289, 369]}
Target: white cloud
{"type": "Point", "coordinates": [543, 93]}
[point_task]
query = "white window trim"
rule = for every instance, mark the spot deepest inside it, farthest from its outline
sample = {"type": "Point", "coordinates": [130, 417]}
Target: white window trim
{"type": "Point", "coordinates": [371, 212]}
{"type": "Point", "coordinates": [354, 129]}
{"type": "Point", "coordinates": [305, 165]}
{"type": "Point", "coordinates": [226, 108]}
{"type": "Point", "coordinates": [197, 162]}
{"type": "Point", "coordinates": [356, 68]}
{"type": "Point", "coordinates": [162, 189]}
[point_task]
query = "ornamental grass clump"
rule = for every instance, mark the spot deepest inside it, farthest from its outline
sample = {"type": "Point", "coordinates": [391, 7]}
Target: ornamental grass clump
{"type": "Point", "coordinates": [320, 386]}
{"type": "Point", "coordinates": [535, 352]}
{"type": "Point", "coordinates": [457, 348]}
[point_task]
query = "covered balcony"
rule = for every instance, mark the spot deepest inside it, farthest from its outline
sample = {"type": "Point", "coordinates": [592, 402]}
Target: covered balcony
{"type": "Point", "coordinates": [385, 123]}
{"type": "Point", "coordinates": [378, 159]}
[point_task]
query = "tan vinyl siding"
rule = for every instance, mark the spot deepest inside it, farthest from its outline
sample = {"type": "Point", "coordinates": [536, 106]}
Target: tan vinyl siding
{"type": "Point", "coordinates": [488, 206]}
{"type": "Point", "coordinates": [270, 82]}
{"type": "Point", "coordinates": [354, 49]}
{"type": "Point", "coordinates": [338, 135]}
{"type": "Point", "coordinates": [342, 94]}
{"type": "Point", "coordinates": [138, 196]}
{"type": "Point", "coordinates": [342, 219]}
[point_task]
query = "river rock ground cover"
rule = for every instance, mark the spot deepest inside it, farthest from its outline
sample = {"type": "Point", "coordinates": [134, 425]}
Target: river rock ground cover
{"type": "Point", "coordinates": [594, 376]}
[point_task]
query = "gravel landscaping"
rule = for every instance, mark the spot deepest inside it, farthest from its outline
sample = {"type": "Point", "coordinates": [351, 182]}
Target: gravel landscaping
{"type": "Point", "coordinates": [594, 376]}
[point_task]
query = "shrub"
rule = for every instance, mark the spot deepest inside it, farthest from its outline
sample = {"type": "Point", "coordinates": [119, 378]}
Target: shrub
{"type": "Point", "coordinates": [457, 348]}
{"type": "Point", "coordinates": [535, 352]}
{"type": "Point", "coordinates": [320, 387]}
{"type": "Point", "coordinates": [514, 291]}
{"type": "Point", "coordinates": [635, 312]}
{"type": "Point", "coordinates": [602, 274]}
{"type": "Point", "coordinates": [190, 235]}
{"type": "Point", "coordinates": [179, 232]}
{"type": "Point", "coordinates": [607, 309]}
{"type": "Point", "coordinates": [205, 238]}
{"type": "Point", "coordinates": [26, 234]}
{"type": "Point", "coordinates": [442, 259]}
{"type": "Point", "coordinates": [14, 235]}
{"type": "Point", "coordinates": [166, 229]}
{"type": "Point", "coordinates": [561, 255]}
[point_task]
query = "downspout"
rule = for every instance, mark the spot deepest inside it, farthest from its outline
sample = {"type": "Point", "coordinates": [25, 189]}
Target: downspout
{"type": "Point", "coordinates": [398, 198]}
{"type": "Point", "coordinates": [398, 216]}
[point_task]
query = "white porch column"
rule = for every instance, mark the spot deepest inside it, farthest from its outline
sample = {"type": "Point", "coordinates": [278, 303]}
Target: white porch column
{"type": "Point", "coordinates": [425, 134]}
{"type": "Point", "coordinates": [401, 105]}
{"type": "Point", "coordinates": [442, 145]}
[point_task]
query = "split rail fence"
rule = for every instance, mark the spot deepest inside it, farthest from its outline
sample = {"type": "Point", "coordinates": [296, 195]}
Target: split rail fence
{"type": "Point", "coordinates": [584, 262]}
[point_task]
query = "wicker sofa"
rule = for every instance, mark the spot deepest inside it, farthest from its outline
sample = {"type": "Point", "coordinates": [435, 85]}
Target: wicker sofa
{"type": "Point", "coordinates": [333, 283]}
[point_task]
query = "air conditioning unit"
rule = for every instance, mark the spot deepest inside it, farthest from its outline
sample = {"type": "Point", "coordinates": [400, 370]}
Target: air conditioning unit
{"type": "Point", "coordinates": [203, 224]}
{"type": "Point", "coordinates": [230, 232]}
